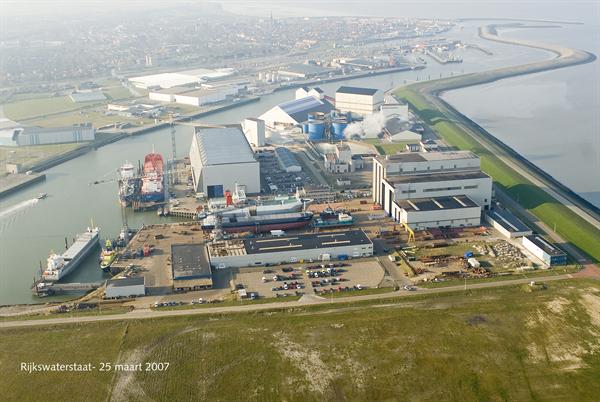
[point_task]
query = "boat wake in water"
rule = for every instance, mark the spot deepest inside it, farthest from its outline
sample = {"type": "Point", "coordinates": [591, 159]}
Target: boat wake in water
{"type": "Point", "coordinates": [11, 214]}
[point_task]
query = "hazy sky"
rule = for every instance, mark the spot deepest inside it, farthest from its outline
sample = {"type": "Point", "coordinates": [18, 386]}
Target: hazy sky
{"type": "Point", "coordinates": [587, 11]}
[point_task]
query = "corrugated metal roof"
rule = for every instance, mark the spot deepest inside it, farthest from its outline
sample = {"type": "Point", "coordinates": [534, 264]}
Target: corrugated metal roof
{"type": "Point", "coordinates": [223, 145]}
{"type": "Point", "coordinates": [298, 109]}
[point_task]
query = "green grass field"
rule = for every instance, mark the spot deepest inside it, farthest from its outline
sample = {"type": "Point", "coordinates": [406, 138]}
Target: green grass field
{"type": "Point", "coordinates": [568, 224]}
{"type": "Point", "coordinates": [38, 107]}
{"type": "Point", "coordinates": [386, 148]}
{"type": "Point", "coordinates": [495, 344]}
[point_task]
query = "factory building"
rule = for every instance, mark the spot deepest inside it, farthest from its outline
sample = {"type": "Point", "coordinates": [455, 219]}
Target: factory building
{"type": "Point", "coordinates": [181, 78]}
{"type": "Point", "coordinates": [395, 110]}
{"type": "Point", "coordinates": [507, 224]}
{"type": "Point", "coordinates": [424, 213]}
{"type": "Point", "coordinates": [303, 92]}
{"type": "Point", "coordinates": [125, 287]}
{"type": "Point", "coordinates": [254, 130]}
{"type": "Point", "coordinates": [191, 268]}
{"type": "Point", "coordinates": [427, 176]}
{"type": "Point", "coordinates": [362, 101]}
{"type": "Point", "coordinates": [341, 161]}
{"type": "Point", "coordinates": [294, 112]}
{"type": "Point", "coordinates": [193, 96]}
{"type": "Point", "coordinates": [542, 249]}
{"type": "Point", "coordinates": [302, 71]}
{"type": "Point", "coordinates": [287, 160]}
{"type": "Point", "coordinates": [222, 158]}
{"type": "Point", "coordinates": [13, 134]}
{"type": "Point", "coordinates": [275, 250]}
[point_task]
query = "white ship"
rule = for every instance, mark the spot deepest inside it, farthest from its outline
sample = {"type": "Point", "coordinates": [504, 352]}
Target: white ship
{"type": "Point", "coordinates": [278, 205]}
{"type": "Point", "coordinates": [60, 265]}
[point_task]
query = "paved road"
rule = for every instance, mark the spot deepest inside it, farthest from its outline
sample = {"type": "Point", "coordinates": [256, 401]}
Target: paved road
{"type": "Point", "coordinates": [148, 313]}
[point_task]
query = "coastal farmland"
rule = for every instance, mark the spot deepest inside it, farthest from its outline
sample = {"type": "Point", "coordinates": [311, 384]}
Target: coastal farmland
{"type": "Point", "coordinates": [524, 343]}
{"type": "Point", "coordinates": [452, 129]}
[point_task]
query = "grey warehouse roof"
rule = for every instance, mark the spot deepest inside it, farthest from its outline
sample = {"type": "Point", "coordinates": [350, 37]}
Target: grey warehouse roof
{"type": "Point", "coordinates": [357, 91]}
{"type": "Point", "coordinates": [133, 281]}
{"type": "Point", "coordinates": [286, 157]}
{"type": "Point", "coordinates": [219, 146]}
{"type": "Point", "coordinates": [435, 177]}
{"type": "Point", "coordinates": [298, 109]}
{"type": "Point", "coordinates": [508, 221]}
{"type": "Point", "coordinates": [544, 245]}
{"type": "Point", "coordinates": [436, 203]}
{"type": "Point", "coordinates": [189, 261]}
{"type": "Point", "coordinates": [307, 241]}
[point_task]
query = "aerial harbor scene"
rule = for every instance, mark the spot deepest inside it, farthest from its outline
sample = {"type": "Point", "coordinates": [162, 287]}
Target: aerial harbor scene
{"type": "Point", "coordinates": [261, 200]}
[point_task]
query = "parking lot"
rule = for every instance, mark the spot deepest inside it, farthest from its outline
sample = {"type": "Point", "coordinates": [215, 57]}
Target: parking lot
{"type": "Point", "coordinates": [275, 180]}
{"type": "Point", "coordinates": [314, 278]}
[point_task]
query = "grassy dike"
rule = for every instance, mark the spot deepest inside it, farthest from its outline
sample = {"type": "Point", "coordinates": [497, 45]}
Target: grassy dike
{"type": "Point", "coordinates": [510, 343]}
{"type": "Point", "coordinates": [569, 225]}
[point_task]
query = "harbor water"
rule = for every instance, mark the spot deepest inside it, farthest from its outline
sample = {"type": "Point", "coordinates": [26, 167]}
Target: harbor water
{"type": "Point", "coordinates": [29, 229]}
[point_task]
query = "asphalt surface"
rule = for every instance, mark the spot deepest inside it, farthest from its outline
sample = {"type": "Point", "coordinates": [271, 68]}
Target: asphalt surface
{"type": "Point", "coordinates": [148, 313]}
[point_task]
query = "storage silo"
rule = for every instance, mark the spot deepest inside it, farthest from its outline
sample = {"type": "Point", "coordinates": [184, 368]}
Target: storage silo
{"type": "Point", "coordinates": [316, 130]}
{"type": "Point", "coordinates": [338, 126]}
{"type": "Point", "coordinates": [305, 127]}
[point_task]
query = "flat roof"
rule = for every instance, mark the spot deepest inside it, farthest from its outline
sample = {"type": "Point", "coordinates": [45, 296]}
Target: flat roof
{"type": "Point", "coordinates": [433, 177]}
{"type": "Point", "coordinates": [542, 243]}
{"type": "Point", "coordinates": [436, 203]}
{"type": "Point", "coordinates": [508, 221]}
{"type": "Point", "coordinates": [298, 109]}
{"type": "Point", "coordinates": [426, 156]}
{"type": "Point", "coordinates": [219, 146]}
{"type": "Point", "coordinates": [263, 245]}
{"type": "Point", "coordinates": [356, 90]}
{"type": "Point", "coordinates": [189, 261]}
{"type": "Point", "coordinates": [120, 282]}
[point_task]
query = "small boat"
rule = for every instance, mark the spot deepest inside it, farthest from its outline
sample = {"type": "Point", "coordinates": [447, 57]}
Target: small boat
{"type": "Point", "coordinates": [107, 258]}
{"type": "Point", "coordinates": [41, 196]}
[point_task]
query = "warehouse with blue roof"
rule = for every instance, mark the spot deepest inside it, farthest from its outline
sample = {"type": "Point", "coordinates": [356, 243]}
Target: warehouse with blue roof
{"type": "Point", "coordinates": [294, 112]}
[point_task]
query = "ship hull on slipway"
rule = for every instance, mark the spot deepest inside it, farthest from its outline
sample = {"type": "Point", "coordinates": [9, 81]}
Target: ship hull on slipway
{"type": "Point", "coordinates": [152, 180]}
{"type": "Point", "coordinates": [265, 223]}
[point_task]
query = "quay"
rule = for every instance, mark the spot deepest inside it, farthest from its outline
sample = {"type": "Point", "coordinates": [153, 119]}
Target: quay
{"type": "Point", "coordinates": [14, 182]}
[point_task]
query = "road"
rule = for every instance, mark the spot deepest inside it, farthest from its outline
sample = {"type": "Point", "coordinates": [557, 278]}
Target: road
{"type": "Point", "coordinates": [148, 313]}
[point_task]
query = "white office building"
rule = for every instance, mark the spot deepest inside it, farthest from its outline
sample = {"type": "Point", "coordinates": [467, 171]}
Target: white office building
{"type": "Point", "coordinates": [220, 159]}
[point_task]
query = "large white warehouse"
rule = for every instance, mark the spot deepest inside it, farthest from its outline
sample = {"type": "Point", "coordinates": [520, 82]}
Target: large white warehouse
{"type": "Point", "coordinates": [425, 178]}
{"type": "Point", "coordinates": [362, 101]}
{"type": "Point", "coordinates": [220, 159]}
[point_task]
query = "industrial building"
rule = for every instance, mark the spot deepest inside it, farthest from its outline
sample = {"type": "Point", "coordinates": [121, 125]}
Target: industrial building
{"type": "Point", "coordinates": [362, 101]}
{"type": "Point", "coordinates": [191, 268]}
{"type": "Point", "coordinates": [506, 223]}
{"type": "Point", "coordinates": [303, 92]}
{"type": "Point", "coordinates": [341, 160]}
{"type": "Point", "coordinates": [303, 71]}
{"type": "Point", "coordinates": [181, 78]}
{"type": "Point", "coordinates": [424, 213]}
{"type": "Point", "coordinates": [289, 249]}
{"type": "Point", "coordinates": [287, 160]}
{"type": "Point", "coordinates": [222, 158]}
{"type": "Point", "coordinates": [542, 249]}
{"type": "Point", "coordinates": [125, 287]}
{"type": "Point", "coordinates": [193, 96]}
{"type": "Point", "coordinates": [13, 134]}
{"type": "Point", "coordinates": [431, 176]}
{"type": "Point", "coordinates": [294, 112]}
{"type": "Point", "coordinates": [254, 130]}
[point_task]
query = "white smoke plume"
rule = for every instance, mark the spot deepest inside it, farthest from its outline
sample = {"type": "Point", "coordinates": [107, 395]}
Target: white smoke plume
{"type": "Point", "coordinates": [370, 127]}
